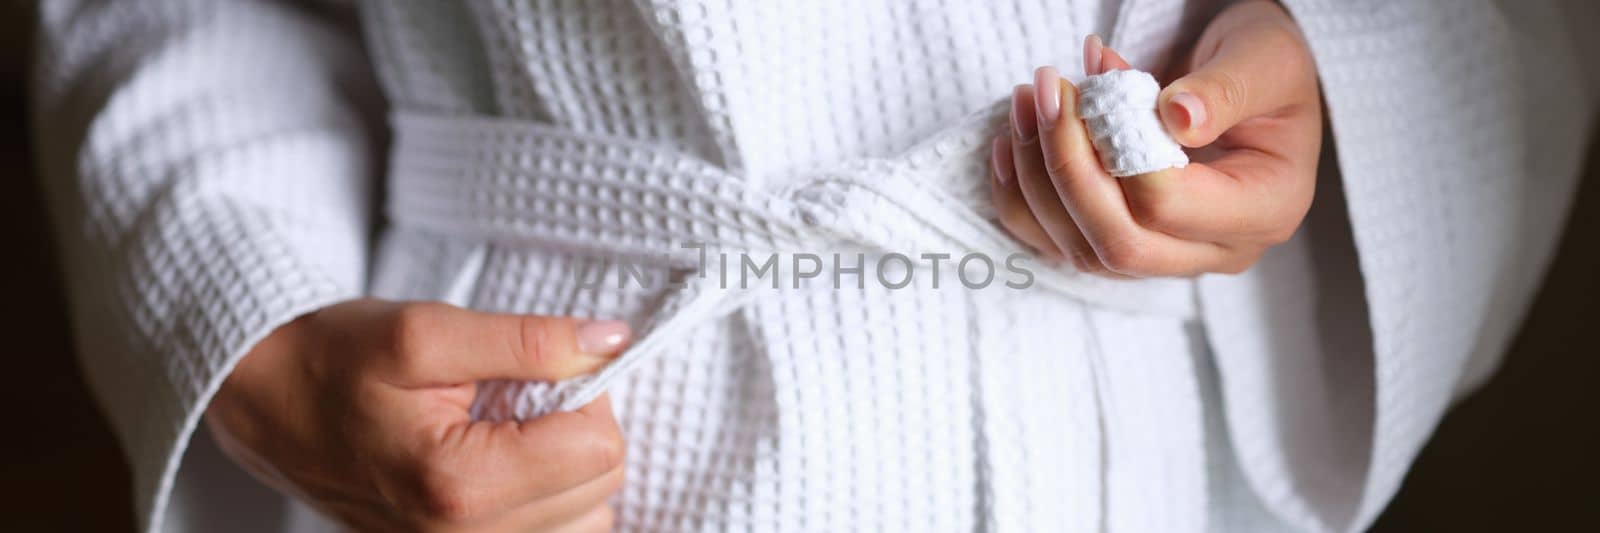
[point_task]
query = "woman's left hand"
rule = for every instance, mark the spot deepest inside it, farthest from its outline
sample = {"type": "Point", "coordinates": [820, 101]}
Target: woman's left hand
{"type": "Point", "coordinates": [1247, 106]}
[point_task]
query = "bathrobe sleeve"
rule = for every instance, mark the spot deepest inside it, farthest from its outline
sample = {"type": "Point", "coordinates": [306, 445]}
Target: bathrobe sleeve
{"type": "Point", "coordinates": [208, 182]}
{"type": "Point", "coordinates": [1457, 130]}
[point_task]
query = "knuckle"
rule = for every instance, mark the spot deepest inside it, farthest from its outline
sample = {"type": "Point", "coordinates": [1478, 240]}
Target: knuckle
{"type": "Point", "coordinates": [450, 507]}
{"type": "Point", "coordinates": [1231, 91]}
{"type": "Point", "coordinates": [614, 483]}
{"type": "Point", "coordinates": [606, 521]}
{"type": "Point", "coordinates": [1234, 267]}
{"type": "Point", "coordinates": [1061, 170]}
{"type": "Point", "coordinates": [1280, 235]}
{"type": "Point", "coordinates": [600, 450]}
{"type": "Point", "coordinates": [1156, 208]}
{"type": "Point", "coordinates": [440, 492]}
{"type": "Point", "coordinates": [1240, 263]}
{"type": "Point", "coordinates": [1282, 223]}
{"type": "Point", "coordinates": [535, 344]}
{"type": "Point", "coordinates": [609, 451]}
{"type": "Point", "coordinates": [1127, 255]}
{"type": "Point", "coordinates": [413, 328]}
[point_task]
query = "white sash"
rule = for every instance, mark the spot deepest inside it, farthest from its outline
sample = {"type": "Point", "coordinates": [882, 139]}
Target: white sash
{"type": "Point", "coordinates": [522, 183]}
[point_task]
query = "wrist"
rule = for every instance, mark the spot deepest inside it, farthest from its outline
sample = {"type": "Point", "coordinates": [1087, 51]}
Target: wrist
{"type": "Point", "coordinates": [266, 389]}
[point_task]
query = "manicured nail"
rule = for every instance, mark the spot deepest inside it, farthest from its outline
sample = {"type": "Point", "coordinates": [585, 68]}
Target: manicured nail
{"type": "Point", "coordinates": [1092, 52]}
{"type": "Point", "coordinates": [1047, 83]}
{"type": "Point", "coordinates": [603, 337]}
{"type": "Point", "coordinates": [1000, 159]}
{"type": "Point", "coordinates": [1192, 112]}
{"type": "Point", "coordinates": [1023, 121]}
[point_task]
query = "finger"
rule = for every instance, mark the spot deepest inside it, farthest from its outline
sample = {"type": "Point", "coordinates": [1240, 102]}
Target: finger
{"type": "Point", "coordinates": [435, 344]}
{"type": "Point", "coordinates": [1011, 207]}
{"type": "Point", "coordinates": [1093, 50]}
{"type": "Point", "coordinates": [599, 520]}
{"type": "Point", "coordinates": [1186, 202]}
{"type": "Point", "coordinates": [1255, 67]}
{"type": "Point", "coordinates": [1111, 60]}
{"type": "Point", "coordinates": [1096, 203]}
{"type": "Point", "coordinates": [1253, 197]}
{"type": "Point", "coordinates": [1034, 182]}
{"type": "Point", "coordinates": [1099, 58]}
{"type": "Point", "coordinates": [466, 472]}
{"type": "Point", "coordinates": [1245, 197]}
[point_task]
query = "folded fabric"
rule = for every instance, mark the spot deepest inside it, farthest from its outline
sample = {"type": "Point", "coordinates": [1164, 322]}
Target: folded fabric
{"type": "Point", "coordinates": [1119, 108]}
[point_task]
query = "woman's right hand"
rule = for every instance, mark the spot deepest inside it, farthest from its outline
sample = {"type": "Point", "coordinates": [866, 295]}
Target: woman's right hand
{"type": "Point", "coordinates": [361, 410]}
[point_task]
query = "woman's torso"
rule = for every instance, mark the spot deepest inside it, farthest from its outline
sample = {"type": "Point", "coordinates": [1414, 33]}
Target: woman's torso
{"type": "Point", "coordinates": [821, 407]}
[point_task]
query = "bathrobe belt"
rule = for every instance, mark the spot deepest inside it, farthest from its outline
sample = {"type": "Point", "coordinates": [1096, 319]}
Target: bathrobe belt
{"type": "Point", "coordinates": [521, 183]}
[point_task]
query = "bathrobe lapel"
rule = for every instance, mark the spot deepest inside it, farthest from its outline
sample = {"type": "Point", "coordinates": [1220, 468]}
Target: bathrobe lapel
{"type": "Point", "coordinates": [1434, 175]}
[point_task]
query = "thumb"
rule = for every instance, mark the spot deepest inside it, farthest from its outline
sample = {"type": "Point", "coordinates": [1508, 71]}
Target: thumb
{"type": "Point", "coordinates": [439, 344]}
{"type": "Point", "coordinates": [1252, 71]}
{"type": "Point", "coordinates": [475, 471]}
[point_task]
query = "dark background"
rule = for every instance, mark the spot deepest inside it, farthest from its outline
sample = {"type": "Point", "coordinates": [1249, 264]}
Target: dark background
{"type": "Point", "coordinates": [1520, 454]}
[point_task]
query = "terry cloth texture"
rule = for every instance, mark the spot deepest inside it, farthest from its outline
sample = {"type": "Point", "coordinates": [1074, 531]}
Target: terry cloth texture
{"type": "Point", "coordinates": [211, 180]}
{"type": "Point", "coordinates": [1119, 109]}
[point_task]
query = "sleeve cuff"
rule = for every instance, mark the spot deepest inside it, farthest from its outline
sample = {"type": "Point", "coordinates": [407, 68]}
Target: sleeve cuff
{"type": "Point", "coordinates": [201, 284]}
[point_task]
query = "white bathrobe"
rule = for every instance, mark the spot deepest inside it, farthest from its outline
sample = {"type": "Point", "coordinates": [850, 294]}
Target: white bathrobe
{"type": "Point", "coordinates": [213, 173]}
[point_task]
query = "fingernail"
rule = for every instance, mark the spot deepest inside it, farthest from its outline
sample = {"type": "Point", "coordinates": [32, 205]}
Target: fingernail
{"type": "Point", "coordinates": [1047, 97]}
{"type": "Point", "coordinates": [1092, 49]}
{"type": "Point", "coordinates": [1191, 111]}
{"type": "Point", "coordinates": [1000, 159]}
{"type": "Point", "coordinates": [1022, 114]}
{"type": "Point", "coordinates": [603, 337]}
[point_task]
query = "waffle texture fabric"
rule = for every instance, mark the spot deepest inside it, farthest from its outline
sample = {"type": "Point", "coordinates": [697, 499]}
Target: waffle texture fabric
{"type": "Point", "coordinates": [1119, 110]}
{"type": "Point", "coordinates": [210, 166]}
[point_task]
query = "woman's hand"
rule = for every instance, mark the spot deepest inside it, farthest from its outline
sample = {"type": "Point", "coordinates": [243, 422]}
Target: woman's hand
{"type": "Point", "coordinates": [361, 410]}
{"type": "Point", "coordinates": [1247, 106]}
